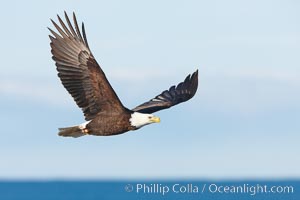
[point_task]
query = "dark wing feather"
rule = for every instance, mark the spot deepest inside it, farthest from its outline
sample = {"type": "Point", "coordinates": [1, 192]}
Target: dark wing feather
{"type": "Point", "coordinates": [79, 72]}
{"type": "Point", "coordinates": [175, 95]}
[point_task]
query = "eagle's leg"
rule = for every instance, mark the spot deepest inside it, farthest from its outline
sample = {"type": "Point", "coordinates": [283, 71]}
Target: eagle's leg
{"type": "Point", "coordinates": [85, 131]}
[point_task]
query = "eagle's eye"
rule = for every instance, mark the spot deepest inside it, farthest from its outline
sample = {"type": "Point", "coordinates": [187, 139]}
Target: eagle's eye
{"type": "Point", "coordinates": [149, 117]}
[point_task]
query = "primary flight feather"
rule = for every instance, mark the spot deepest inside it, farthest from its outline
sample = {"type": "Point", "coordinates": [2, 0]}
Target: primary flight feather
{"type": "Point", "coordinates": [84, 79]}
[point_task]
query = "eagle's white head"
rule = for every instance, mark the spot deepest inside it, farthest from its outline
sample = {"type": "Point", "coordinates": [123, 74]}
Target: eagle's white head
{"type": "Point", "coordinates": [139, 120]}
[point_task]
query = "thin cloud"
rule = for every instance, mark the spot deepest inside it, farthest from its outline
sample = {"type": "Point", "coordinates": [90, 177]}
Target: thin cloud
{"type": "Point", "coordinates": [50, 93]}
{"type": "Point", "coordinates": [248, 91]}
{"type": "Point", "coordinates": [33, 91]}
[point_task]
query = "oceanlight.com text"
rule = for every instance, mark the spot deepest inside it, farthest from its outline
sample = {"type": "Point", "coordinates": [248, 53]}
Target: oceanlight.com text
{"type": "Point", "coordinates": [211, 188]}
{"type": "Point", "coordinates": [249, 189]}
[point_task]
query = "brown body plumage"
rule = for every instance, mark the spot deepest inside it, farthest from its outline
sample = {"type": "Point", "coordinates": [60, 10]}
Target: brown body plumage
{"type": "Point", "coordinates": [102, 125]}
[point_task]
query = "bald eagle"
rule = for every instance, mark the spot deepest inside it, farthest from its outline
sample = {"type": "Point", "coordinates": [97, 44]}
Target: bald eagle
{"type": "Point", "coordinates": [83, 78]}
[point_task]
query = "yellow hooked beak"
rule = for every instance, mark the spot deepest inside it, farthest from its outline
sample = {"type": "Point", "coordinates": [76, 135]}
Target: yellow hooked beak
{"type": "Point", "coordinates": [155, 119]}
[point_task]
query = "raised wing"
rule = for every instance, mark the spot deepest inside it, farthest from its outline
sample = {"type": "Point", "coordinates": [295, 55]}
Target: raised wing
{"type": "Point", "coordinates": [79, 72]}
{"type": "Point", "coordinates": [175, 95]}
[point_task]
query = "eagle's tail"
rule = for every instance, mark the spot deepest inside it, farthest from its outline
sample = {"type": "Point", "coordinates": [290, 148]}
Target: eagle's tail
{"type": "Point", "coordinates": [73, 131]}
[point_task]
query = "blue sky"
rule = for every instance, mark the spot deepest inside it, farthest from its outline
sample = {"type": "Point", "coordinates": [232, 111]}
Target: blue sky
{"type": "Point", "coordinates": [242, 123]}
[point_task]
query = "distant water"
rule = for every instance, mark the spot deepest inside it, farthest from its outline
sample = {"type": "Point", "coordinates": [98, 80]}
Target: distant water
{"type": "Point", "coordinates": [144, 190]}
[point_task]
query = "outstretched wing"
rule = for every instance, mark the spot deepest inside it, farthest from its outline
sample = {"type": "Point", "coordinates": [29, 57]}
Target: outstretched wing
{"type": "Point", "coordinates": [175, 95]}
{"type": "Point", "coordinates": [79, 72]}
